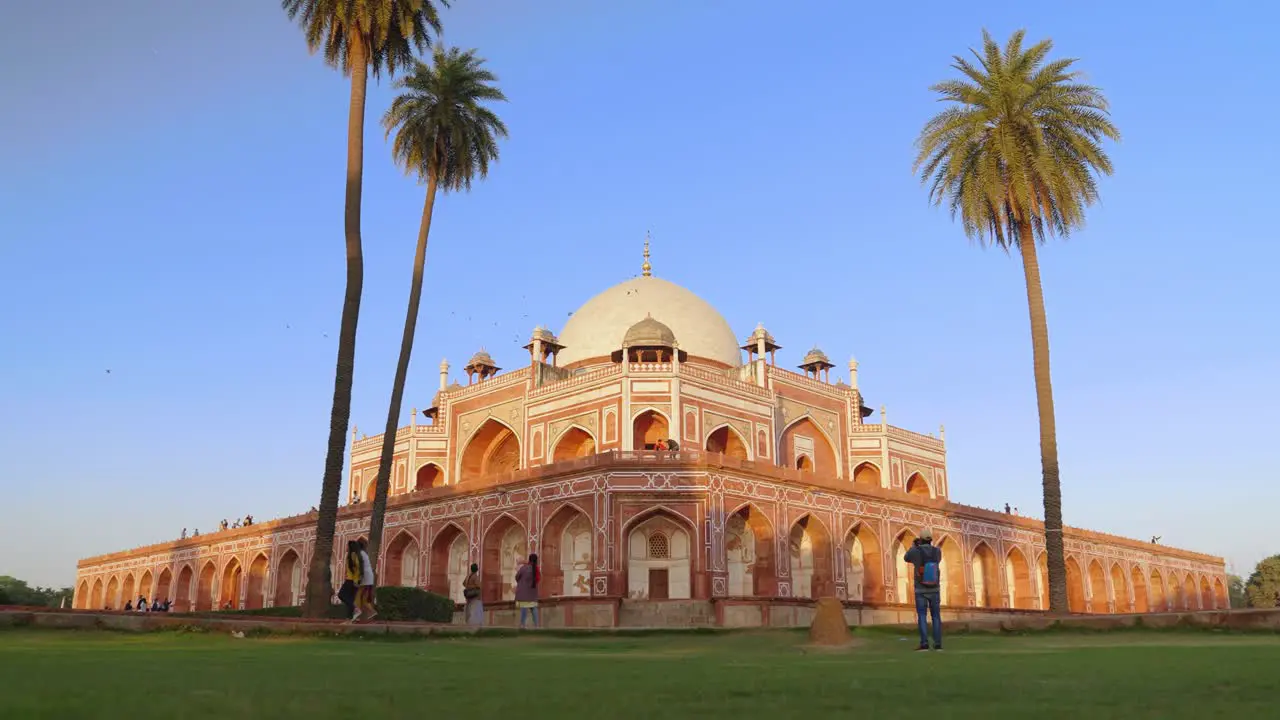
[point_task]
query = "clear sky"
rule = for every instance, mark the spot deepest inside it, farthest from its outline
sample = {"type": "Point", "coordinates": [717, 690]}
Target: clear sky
{"type": "Point", "coordinates": [171, 182]}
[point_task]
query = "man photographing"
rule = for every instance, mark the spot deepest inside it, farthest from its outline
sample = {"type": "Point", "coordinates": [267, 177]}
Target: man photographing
{"type": "Point", "coordinates": [927, 576]}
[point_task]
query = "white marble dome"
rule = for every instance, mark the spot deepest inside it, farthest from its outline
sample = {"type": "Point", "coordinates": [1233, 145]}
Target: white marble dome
{"type": "Point", "coordinates": [596, 329]}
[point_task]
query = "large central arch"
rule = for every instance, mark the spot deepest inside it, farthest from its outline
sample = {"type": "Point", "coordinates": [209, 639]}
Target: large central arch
{"type": "Point", "coordinates": [659, 556]}
{"type": "Point", "coordinates": [491, 450]}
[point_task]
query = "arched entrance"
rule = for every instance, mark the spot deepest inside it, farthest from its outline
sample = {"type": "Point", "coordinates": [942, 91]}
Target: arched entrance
{"type": "Point", "coordinates": [229, 593]}
{"type": "Point", "coordinates": [126, 591]}
{"type": "Point", "coordinates": [82, 595]}
{"type": "Point", "coordinates": [951, 591]}
{"type": "Point", "coordinates": [1017, 577]}
{"type": "Point", "coordinates": [401, 561]}
{"type": "Point", "coordinates": [566, 553]}
{"type": "Point", "coordinates": [749, 545]}
{"type": "Point", "coordinates": [1220, 594]}
{"type": "Point", "coordinates": [204, 587]}
{"type": "Point", "coordinates": [986, 577]}
{"type": "Point", "coordinates": [1141, 599]}
{"type": "Point", "coordinates": [904, 590]}
{"type": "Point", "coordinates": [493, 449]}
{"type": "Point", "coordinates": [288, 580]}
{"type": "Point", "coordinates": [95, 598]}
{"type": "Point", "coordinates": [1076, 601]}
{"type": "Point", "coordinates": [164, 585]}
{"type": "Point", "coordinates": [804, 446]}
{"type": "Point", "coordinates": [866, 475]}
{"type": "Point", "coordinates": [1206, 594]}
{"type": "Point", "coordinates": [660, 558]}
{"type": "Point", "coordinates": [810, 547]}
{"type": "Point", "coordinates": [574, 443]}
{"type": "Point", "coordinates": [1097, 588]}
{"type": "Point", "coordinates": [505, 550]}
{"type": "Point", "coordinates": [144, 586]}
{"type": "Point", "coordinates": [255, 590]}
{"type": "Point", "coordinates": [428, 476]}
{"type": "Point", "coordinates": [182, 594]}
{"type": "Point", "coordinates": [1120, 590]}
{"type": "Point", "coordinates": [865, 575]}
{"type": "Point", "coordinates": [648, 428]}
{"type": "Point", "coordinates": [1189, 599]}
{"type": "Point", "coordinates": [450, 562]}
{"type": "Point", "coordinates": [1159, 598]}
{"type": "Point", "coordinates": [112, 601]}
{"type": "Point", "coordinates": [726, 441]}
{"type": "Point", "coordinates": [918, 486]}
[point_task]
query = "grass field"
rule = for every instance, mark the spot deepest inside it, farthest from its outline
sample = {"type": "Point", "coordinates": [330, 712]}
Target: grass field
{"type": "Point", "coordinates": [1129, 674]}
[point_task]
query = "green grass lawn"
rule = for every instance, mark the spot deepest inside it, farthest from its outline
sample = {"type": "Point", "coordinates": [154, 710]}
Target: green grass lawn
{"type": "Point", "coordinates": [1129, 674]}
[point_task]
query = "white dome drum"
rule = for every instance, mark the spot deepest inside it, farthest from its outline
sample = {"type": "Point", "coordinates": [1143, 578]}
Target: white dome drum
{"type": "Point", "coordinates": [597, 329]}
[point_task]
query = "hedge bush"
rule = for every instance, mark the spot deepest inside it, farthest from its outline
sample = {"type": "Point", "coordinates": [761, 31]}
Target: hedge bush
{"type": "Point", "coordinates": [409, 603]}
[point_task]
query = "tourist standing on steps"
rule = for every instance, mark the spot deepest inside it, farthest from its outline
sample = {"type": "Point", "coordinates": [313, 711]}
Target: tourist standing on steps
{"type": "Point", "coordinates": [351, 580]}
{"type": "Point", "coordinates": [364, 598]}
{"type": "Point", "coordinates": [527, 579]}
{"type": "Point", "coordinates": [927, 561]}
{"type": "Point", "coordinates": [471, 593]}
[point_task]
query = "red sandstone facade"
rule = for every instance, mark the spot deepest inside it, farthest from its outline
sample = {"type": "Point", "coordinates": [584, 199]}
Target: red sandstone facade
{"type": "Point", "coordinates": [780, 492]}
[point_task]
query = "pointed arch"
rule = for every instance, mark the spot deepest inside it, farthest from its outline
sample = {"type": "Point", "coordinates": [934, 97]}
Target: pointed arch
{"type": "Point", "coordinates": [450, 561]}
{"type": "Point", "coordinates": [804, 437]}
{"type": "Point", "coordinates": [164, 586]}
{"type": "Point", "coordinates": [126, 590]}
{"type": "Point", "coordinates": [1190, 599]}
{"type": "Point", "coordinates": [867, 474]}
{"type": "Point", "coordinates": [1159, 595]}
{"type": "Point", "coordinates": [1017, 572]}
{"type": "Point", "coordinates": [112, 601]}
{"type": "Point", "coordinates": [648, 427]}
{"type": "Point", "coordinates": [986, 576]}
{"type": "Point", "coordinates": [182, 594]}
{"type": "Point", "coordinates": [1141, 598]}
{"type": "Point", "coordinates": [1223, 601]}
{"type": "Point", "coordinates": [660, 556]}
{"type": "Point", "coordinates": [566, 552]}
{"type": "Point", "coordinates": [229, 590]}
{"type": "Point", "coordinates": [726, 440]}
{"type": "Point", "coordinates": [574, 442]}
{"type": "Point", "coordinates": [492, 449]}
{"type": "Point", "coordinates": [1120, 590]}
{"type": "Point", "coordinates": [401, 560]}
{"type": "Point", "coordinates": [1206, 594]}
{"type": "Point", "coordinates": [952, 590]}
{"type": "Point", "coordinates": [288, 580]}
{"type": "Point", "coordinates": [82, 596]}
{"type": "Point", "coordinates": [1098, 595]}
{"type": "Point", "coordinates": [749, 547]}
{"type": "Point", "coordinates": [256, 582]}
{"type": "Point", "coordinates": [865, 577]}
{"type": "Point", "coordinates": [144, 585]}
{"type": "Point", "coordinates": [428, 475]}
{"type": "Point", "coordinates": [96, 601]}
{"type": "Point", "coordinates": [920, 487]}
{"type": "Point", "coordinates": [504, 548]}
{"type": "Point", "coordinates": [903, 569]}
{"type": "Point", "coordinates": [204, 586]}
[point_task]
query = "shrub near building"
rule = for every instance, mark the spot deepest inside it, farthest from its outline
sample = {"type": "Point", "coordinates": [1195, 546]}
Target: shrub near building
{"type": "Point", "coordinates": [408, 603]}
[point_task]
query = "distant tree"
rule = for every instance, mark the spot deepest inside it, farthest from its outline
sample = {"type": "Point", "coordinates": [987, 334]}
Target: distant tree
{"type": "Point", "coordinates": [444, 134]}
{"type": "Point", "coordinates": [1235, 591]}
{"type": "Point", "coordinates": [17, 592]}
{"type": "Point", "coordinates": [1263, 586]}
{"type": "Point", "coordinates": [356, 38]}
{"type": "Point", "coordinates": [1014, 156]}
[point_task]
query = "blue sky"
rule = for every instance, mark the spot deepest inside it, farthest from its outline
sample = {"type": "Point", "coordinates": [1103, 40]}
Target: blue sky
{"type": "Point", "coordinates": [171, 209]}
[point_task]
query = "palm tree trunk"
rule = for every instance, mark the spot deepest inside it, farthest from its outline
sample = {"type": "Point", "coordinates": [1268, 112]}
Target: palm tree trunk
{"type": "Point", "coordinates": [319, 582]}
{"type": "Point", "coordinates": [1056, 559]}
{"type": "Point", "coordinates": [383, 485]}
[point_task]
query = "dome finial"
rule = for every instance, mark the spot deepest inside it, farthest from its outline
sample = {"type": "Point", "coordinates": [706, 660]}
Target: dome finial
{"type": "Point", "coordinates": [646, 268]}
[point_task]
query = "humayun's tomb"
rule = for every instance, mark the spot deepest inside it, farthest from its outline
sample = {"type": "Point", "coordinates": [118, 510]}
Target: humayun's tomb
{"type": "Point", "coordinates": [780, 491]}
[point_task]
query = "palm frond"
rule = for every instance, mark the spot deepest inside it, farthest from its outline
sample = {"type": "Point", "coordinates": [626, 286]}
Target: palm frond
{"type": "Point", "coordinates": [390, 31]}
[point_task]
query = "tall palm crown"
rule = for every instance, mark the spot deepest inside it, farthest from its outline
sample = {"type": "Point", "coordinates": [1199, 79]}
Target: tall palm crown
{"type": "Point", "coordinates": [392, 29]}
{"type": "Point", "coordinates": [1019, 145]}
{"type": "Point", "coordinates": [442, 127]}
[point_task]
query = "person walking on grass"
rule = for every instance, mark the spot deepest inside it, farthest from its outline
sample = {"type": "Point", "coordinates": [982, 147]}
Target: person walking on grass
{"type": "Point", "coordinates": [364, 596]}
{"type": "Point", "coordinates": [927, 561]}
{"type": "Point", "coordinates": [528, 578]}
{"type": "Point", "coordinates": [351, 580]}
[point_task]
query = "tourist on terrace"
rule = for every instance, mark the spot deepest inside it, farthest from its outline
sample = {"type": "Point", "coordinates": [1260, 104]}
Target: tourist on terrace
{"type": "Point", "coordinates": [351, 582]}
{"type": "Point", "coordinates": [527, 579]}
{"type": "Point", "coordinates": [471, 593]}
{"type": "Point", "coordinates": [673, 446]}
{"type": "Point", "coordinates": [927, 560]}
{"type": "Point", "coordinates": [364, 597]}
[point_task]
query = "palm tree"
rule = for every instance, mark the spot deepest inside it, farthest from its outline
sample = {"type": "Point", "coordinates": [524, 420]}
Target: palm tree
{"type": "Point", "coordinates": [356, 38]}
{"type": "Point", "coordinates": [1014, 155]}
{"type": "Point", "coordinates": [446, 135]}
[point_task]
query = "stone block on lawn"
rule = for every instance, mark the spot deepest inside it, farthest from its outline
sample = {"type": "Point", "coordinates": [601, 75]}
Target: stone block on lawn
{"type": "Point", "coordinates": [829, 626]}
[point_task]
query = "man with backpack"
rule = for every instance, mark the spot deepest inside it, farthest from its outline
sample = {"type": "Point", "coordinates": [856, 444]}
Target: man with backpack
{"type": "Point", "coordinates": [927, 560]}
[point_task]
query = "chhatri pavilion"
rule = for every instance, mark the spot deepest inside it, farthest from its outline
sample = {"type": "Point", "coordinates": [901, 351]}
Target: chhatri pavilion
{"type": "Point", "coordinates": [780, 491]}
